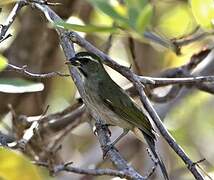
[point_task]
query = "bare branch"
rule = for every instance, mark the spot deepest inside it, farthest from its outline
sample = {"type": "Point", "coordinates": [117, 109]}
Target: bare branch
{"type": "Point", "coordinates": [154, 37]}
{"type": "Point", "coordinates": [58, 121]}
{"type": "Point", "coordinates": [11, 19]}
{"type": "Point", "coordinates": [184, 81]}
{"type": "Point", "coordinates": [163, 99]}
{"type": "Point", "coordinates": [110, 151]}
{"type": "Point", "coordinates": [96, 172]}
{"type": "Point", "coordinates": [193, 38]}
{"type": "Point", "coordinates": [5, 37]}
{"type": "Point", "coordinates": [23, 70]}
{"type": "Point", "coordinates": [108, 44]}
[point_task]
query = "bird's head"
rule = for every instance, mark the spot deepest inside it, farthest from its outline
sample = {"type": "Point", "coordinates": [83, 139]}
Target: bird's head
{"type": "Point", "coordinates": [87, 63]}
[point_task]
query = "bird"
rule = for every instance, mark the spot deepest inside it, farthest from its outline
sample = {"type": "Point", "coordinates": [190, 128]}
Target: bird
{"type": "Point", "coordinates": [112, 104]}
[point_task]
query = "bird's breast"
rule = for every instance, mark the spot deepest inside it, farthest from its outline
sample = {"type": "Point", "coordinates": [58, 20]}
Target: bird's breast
{"type": "Point", "coordinates": [97, 107]}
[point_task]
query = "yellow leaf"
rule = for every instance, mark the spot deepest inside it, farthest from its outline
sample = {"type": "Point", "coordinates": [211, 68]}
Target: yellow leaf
{"type": "Point", "coordinates": [3, 62]}
{"type": "Point", "coordinates": [14, 166]}
{"type": "Point", "coordinates": [203, 11]}
{"type": "Point", "coordinates": [5, 2]}
{"type": "Point", "coordinates": [177, 21]}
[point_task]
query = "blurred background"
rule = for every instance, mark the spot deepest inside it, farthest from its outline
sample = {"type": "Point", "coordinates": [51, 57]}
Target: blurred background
{"type": "Point", "coordinates": [119, 29]}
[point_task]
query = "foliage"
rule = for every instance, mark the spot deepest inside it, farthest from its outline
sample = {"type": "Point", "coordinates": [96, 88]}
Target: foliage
{"type": "Point", "coordinates": [137, 16]}
{"type": "Point", "coordinates": [13, 164]}
{"type": "Point", "coordinates": [203, 11]}
{"type": "Point", "coordinates": [3, 63]}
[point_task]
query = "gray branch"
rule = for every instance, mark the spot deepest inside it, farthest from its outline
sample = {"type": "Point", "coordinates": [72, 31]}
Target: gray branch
{"type": "Point", "coordinates": [96, 172]}
{"type": "Point", "coordinates": [10, 19]}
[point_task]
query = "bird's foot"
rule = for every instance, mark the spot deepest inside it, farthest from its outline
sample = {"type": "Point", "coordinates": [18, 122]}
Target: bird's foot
{"type": "Point", "coordinates": [104, 127]}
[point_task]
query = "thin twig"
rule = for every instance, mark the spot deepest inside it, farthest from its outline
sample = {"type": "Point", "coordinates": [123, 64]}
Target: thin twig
{"type": "Point", "coordinates": [193, 38]}
{"type": "Point", "coordinates": [5, 37]}
{"type": "Point", "coordinates": [173, 92]}
{"type": "Point", "coordinates": [23, 70]}
{"type": "Point", "coordinates": [96, 172]}
{"type": "Point", "coordinates": [108, 44]}
{"type": "Point", "coordinates": [45, 2]}
{"type": "Point", "coordinates": [61, 120]}
{"type": "Point", "coordinates": [184, 81]}
{"type": "Point", "coordinates": [10, 19]}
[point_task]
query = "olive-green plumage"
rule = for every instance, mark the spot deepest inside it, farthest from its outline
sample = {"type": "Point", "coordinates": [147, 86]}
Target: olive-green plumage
{"type": "Point", "coordinates": [111, 103]}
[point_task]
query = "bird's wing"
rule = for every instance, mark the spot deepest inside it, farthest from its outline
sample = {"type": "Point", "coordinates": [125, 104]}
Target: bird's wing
{"type": "Point", "coordinates": [118, 101]}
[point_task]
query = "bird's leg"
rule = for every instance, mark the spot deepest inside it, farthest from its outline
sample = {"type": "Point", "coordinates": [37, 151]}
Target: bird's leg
{"type": "Point", "coordinates": [109, 146]}
{"type": "Point", "coordinates": [104, 126]}
{"type": "Point", "coordinates": [125, 131]}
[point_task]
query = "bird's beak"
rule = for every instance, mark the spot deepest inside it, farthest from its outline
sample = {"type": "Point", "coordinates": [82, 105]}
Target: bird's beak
{"type": "Point", "coordinates": [75, 61]}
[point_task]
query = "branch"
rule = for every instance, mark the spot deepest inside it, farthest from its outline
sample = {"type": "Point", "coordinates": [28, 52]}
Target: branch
{"type": "Point", "coordinates": [134, 79]}
{"type": "Point", "coordinates": [173, 92]}
{"type": "Point", "coordinates": [177, 75]}
{"type": "Point", "coordinates": [5, 139]}
{"type": "Point", "coordinates": [112, 153]}
{"type": "Point", "coordinates": [176, 44]}
{"type": "Point", "coordinates": [10, 20]}
{"type": "Point", "coordinates": [182, 76]}
{"type": "Point", "coordinates": [96, 172]}
{"type": "Point", "coordinates": [154, 37]}
{"type": "Point", "coordinates": [23, 70]}
{"type": "Point", "coordinates": [164, 132]}
{"type": "Point", "coordinates": [115, 157]}
{"type": "Point", "coordinates": [71, 116]}
{"type": "Point", "coordinates": [69, 52]}
{"type": "Point", "coordinates": [193, 38]}
{"type": "Point", "coordinates": [184, 81]}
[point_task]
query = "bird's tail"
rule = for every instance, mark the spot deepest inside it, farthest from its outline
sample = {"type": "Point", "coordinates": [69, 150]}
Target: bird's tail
{"type": "Point", "coordinates": [141, 135]}
{"type": "Point", "coordinates": [151, 142]}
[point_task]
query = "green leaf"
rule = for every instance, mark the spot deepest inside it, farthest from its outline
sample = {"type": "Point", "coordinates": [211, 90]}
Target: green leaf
{"type": "Point", "coordinates": [133, 14]}
{"type": "Point", "coordinates": [106, 8]}
{"type": "Point", "coordinates": [140, 13]}
{"type": "Point", "coordinates": [203, 11]}
{"type": "Point", "coordinates": [15, 85]}
{"type": "Point", "coordinates": [134, 9]}
{"type": "Point", "coordinates": [85, 28]}
{"type": "Point", "coordinates": [5, 2]}
{"type": "Point", "coordinates": [144, 18]}
{"type": "Point", "coordinates": [138, 4]}
{"type": "Point", "coordinates": [3, 62]}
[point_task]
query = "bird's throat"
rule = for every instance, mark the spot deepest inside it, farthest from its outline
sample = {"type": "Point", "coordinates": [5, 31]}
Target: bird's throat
{"type": "Point", "coordinates": [83, 72]}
